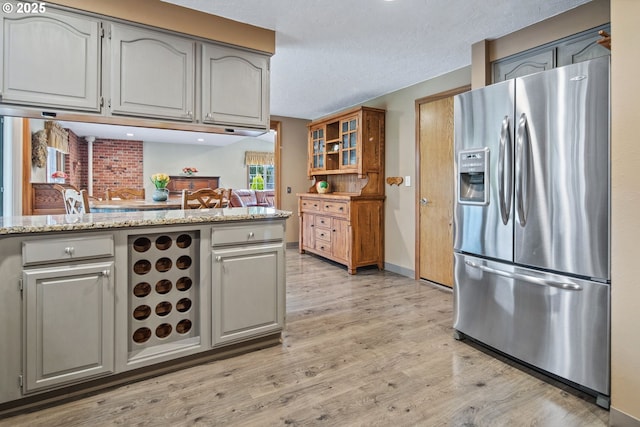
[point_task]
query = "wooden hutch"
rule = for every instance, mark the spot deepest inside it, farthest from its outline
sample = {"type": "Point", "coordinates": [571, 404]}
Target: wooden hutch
{"type": "Point", "coordinates": [346, 225]}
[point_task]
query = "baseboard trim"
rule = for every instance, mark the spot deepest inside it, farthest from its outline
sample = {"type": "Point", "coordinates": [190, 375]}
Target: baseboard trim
{"type": "Point", "coordinates": [292, 245]}
{"type": "Point", "coordinates": [403, 271]}
{"type": "Point", "coordinates": [618, 418]}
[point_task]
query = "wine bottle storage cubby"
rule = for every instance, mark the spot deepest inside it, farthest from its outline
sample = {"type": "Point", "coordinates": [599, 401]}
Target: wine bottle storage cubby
{"type": "Point", "coordinates": [163, 291]}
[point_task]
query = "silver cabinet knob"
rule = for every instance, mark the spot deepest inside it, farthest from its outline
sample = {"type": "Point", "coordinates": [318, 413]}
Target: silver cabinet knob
{"type": "Point", "coordinates": [69, 250]}
{"type": "Point", "coordinates": [106, 273]}
{"type": "Point", "coordinates": [424, 201]}
{"type": "Point", "coordinates": [251, 234]}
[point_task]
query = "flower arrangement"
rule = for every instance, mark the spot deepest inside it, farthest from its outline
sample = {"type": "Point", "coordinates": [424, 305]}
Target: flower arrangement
{"type": "Point", "coordinates": [189, 170]}
{"type": "Point", "coordinates": [59, 174]}
{"type": "Point", "coordinates": [160, 180]}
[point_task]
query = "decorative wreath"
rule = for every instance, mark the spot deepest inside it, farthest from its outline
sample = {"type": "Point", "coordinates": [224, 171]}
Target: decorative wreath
{"type": "Point", "coordinates": [39, 149]}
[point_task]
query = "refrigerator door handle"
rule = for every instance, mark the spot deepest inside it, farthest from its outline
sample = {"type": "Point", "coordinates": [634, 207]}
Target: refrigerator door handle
{"type": "Point", "coordinates": [522, 147]}
{"type": "Point", "coordinates": [504, 162]}
{"type": "Point", "coordinates": [565, 285]}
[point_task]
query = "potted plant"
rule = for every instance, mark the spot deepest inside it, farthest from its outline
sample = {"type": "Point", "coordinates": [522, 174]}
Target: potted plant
{"type": "Point", "coordinates": [160, 181]}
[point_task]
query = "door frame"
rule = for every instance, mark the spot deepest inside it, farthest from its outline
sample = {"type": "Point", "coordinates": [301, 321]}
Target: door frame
{"type": "Point", "coordinates": [418, 103]}
{"type": "Point", "coordinates": [276, 126]}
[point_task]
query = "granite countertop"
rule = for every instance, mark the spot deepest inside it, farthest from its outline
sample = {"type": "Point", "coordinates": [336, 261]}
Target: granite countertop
{"type": "Point", "coordinates": [98, 221]}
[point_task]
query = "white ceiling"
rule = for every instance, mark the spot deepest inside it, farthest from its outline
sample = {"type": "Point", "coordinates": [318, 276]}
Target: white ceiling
{"type": "Point", "coordinates": [334, 54]}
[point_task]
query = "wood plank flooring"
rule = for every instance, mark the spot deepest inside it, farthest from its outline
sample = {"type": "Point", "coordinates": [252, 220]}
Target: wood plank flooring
{"type": "Point", "coordinates": [374, 349]}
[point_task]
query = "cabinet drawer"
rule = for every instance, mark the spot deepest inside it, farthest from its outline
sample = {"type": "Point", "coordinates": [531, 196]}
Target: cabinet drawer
{"type": "Point", "coordinates": [50, 250]}
{"type": "Point", "coordinates": [323, 234]}
{"type": "Point", "coordinates": [334, 207]}
{"type": "Point", "coordinates": [246, 234]}
{"type": "Point", "coordinates": [323, 246]}
{"type": "Point", "coordinates": [310, 205]}
{"type": "Point", "coordinates": [322, 222]}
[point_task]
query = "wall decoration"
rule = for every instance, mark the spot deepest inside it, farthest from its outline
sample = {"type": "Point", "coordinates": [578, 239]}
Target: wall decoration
{"type": "Point", "coordinates": [39, 149]}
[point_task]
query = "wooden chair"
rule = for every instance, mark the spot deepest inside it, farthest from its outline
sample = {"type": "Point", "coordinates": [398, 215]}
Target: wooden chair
{"type": "Point", "coordinates": [75, 202]}
{"type": "Point", "coordinates": [206, 198]}
{"type": "Point", "coordinates": [124, 193]}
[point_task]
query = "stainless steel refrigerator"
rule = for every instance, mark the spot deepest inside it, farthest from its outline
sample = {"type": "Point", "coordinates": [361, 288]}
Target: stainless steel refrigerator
{"type": "Point", "coordinates": [532, 241]}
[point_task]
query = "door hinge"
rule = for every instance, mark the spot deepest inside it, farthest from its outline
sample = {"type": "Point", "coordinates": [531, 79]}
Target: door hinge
{"type": "Point", "coordinates": [20, 380]}
{"type": "Point", "coordinates": [102, 101]}
{"type": "Point", "coordinates": [101, 30]}
{"type": "Point", "coordinates": [21, 287]}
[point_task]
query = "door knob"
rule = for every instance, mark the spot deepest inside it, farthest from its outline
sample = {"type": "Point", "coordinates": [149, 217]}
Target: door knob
{"type": "Point", "coordinates": [424, 201]}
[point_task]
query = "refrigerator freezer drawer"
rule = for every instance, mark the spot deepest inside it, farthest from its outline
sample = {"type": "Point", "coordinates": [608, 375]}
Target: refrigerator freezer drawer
{"type": "Point", "coordinates": [556, 323]}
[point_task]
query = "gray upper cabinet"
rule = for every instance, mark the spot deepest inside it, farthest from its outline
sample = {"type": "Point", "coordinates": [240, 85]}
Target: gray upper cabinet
{"type": "Point", "coordinates": [51, 60]}
{"type": "Point", "coordinates": [581, 48]}
{"type": "Point", "coordinates": [235, 87]}
{"type": "Point", "coordinates": [152, 74]}
{"type": "Point", "coordinates": [518, 66]}
{"type": "Point", "coordinates": [569, 50]}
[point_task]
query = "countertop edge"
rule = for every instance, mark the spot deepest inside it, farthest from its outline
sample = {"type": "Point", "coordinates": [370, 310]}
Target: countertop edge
{"type": "Point", "coordinates": [100, 221]}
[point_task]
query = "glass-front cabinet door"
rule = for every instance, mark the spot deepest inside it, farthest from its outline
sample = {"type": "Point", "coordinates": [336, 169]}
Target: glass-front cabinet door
{"type": "Point", "coordinates": [349, 143]}
{"type": "Point", "coordinates": [317, 142]}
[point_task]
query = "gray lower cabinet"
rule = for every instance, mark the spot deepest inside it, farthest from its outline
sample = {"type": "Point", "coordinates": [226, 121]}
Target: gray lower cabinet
{"type": "Point", "coordinates": [152, 74]}
{"type": "Point", "coordinates": [247, 282]}
{"type": "Point", "coordinates": [51, 60]}
{"type": "Point", "coordinates": [235, 87]}
{"type": "Point", "coordinates": [68, 324]}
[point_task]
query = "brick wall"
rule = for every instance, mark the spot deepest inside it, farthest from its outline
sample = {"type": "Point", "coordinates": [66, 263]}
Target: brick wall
{"type": "Point", "coordinates": [75, 163]}
{"type": "Point", "coordinates": [116, 163]}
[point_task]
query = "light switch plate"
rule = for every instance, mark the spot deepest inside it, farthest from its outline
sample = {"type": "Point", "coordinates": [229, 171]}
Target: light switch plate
{"type": "Point", "coordinates": [407, 181]}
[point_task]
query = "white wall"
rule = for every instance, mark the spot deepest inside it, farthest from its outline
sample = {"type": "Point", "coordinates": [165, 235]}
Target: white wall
{"type": "Point", "coordinates": [400, 160]}
{"type": "Point", "coordinates": [226, 162]}
{"type": "Point", "coordinates": [625, 200]}
{"type": "Point", "coordinates": [293, 159]}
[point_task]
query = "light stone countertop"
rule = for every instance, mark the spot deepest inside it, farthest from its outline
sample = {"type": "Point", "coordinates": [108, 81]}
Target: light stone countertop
{"type": "Point", "coordinates": [100, 221]}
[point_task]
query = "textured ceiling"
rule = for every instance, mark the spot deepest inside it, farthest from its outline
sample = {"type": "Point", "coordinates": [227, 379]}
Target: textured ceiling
{"type": "Point", "coordinates": [333, 54]}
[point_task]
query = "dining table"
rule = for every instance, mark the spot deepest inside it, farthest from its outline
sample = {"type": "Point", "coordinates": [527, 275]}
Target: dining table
{"type": "Point", "coordinates": [132, 205]}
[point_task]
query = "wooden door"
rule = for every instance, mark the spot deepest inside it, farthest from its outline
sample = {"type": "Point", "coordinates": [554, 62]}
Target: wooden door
{"type": "Point", "coordinates": [436, 190]}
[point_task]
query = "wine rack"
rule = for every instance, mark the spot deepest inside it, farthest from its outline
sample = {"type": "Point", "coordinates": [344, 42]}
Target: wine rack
{"type": "Point", "coordinates": [163, 291]}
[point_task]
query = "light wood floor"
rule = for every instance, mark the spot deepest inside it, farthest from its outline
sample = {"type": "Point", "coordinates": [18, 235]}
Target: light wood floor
{"type": "Point", "coordinates": [374, 349]}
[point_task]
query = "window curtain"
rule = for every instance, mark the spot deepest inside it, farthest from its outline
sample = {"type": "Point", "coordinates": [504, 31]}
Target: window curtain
{"type": "Point", "coordinates": [57, 137]}
{"type": "Point", "coordinates": [258, 158]}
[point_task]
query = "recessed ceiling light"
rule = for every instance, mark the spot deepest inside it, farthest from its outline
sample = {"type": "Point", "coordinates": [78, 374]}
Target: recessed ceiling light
{"type": "Point", "coordinates": [129, 134]}
{"type": "Point", "coordinates": [200, 139]}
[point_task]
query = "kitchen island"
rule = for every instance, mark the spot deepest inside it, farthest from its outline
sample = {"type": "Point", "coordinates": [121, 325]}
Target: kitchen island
{"type": "Point", "coordinates": [94, 300]}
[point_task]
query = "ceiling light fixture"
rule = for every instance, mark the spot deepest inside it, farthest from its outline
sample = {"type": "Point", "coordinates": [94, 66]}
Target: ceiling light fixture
{"type": "Point", "coordinates": [200, 139]}
{"type": "Point", "coordinates": [129, 134]}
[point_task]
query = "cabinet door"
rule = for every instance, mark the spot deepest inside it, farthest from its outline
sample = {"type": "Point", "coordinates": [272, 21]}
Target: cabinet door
{"type": "Point", "coordinates": [582, 48]}
{"type": "Point", "coordinates": [152, 74]}
{"type": "Point", "coordinates": [308, 236]}
{"type": "Point", "coordinates": [317, 144]}
{"type": "Point", "coordinates": [349, 146]}
{"type": "Point", "coordinates": [51, 60]}
{"type": "Point", "coordinates": [248, 292]}
{"type": "Point", "coordinates": [235, 87]}
{"type": "Point", "coordinates": [522, 65]}
{"type": "Point", "coordinates": [69, 324]}
{"type": "Point", "coordinates": [340, 238]}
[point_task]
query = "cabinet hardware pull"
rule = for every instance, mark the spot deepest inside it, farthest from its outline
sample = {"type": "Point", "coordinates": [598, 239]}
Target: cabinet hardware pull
{"type": "Point", "coordinates": [218, 259]}
{"type": "Point", "coordinates": [69, 250]}
{"type": "Point", "coordinates": [251, 234]}
{"type": "Point", "coordinates": [106, 273]}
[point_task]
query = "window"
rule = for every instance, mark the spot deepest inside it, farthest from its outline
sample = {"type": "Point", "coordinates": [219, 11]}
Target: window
{"type": "Point", "coordinates": [261, 177]}
{"type": "Point", "coordinates": [55, 162]}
